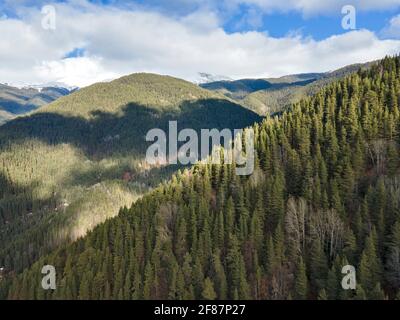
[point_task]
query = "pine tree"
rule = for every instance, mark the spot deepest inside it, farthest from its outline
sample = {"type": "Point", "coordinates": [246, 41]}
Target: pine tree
{"type": "Point", "coordinates": [148, 282]}
{"type": "Point", "coordinates": [332, 284]}
{"type": "Point", "coordinates": [318, 267]}
{"type": "Point", "coordinates": [300, 285]}
{"type": "Point", "coordinates": [370, 270]}
{"type": "Point", "coordinates": [393, 258]}
{"type": "Point", "coordinates": [208, 290]}
{"type": "Point", "coordinates": [220, 277]}
{"type": "Point", "coordinates": [322, 295]}
{"type": "Point", "coordinates": [360, 293]}
{"type": "Point", "coordinates": [377, 293]}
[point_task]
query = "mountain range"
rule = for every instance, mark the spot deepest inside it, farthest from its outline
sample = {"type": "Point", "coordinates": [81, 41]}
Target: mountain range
{"type": "Point", "coordinates": [15, 101]}
{"type": "Point", "coordinates": [266, 96]}
{"type": "Point", "coordinates": [71, 164]}
{"type": "Point", "coordinates": [77, 193]}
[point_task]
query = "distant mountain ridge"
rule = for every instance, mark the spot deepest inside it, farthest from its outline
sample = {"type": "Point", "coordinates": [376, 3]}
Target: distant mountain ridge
{"type": "Point", "coordinates": [242, 87]}
{"type": "Point", "coordinates": [15, 101]}
{"type": "Point", "coordinates": [204, 77]}
{"type": "Point", "coordinates": [269, 95]}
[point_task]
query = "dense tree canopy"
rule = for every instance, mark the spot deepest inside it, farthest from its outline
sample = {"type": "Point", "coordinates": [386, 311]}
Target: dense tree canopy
{"type": "Point", "coordinates": [325, 193]}
{"type": "Point", "coordinates": [74, 163]}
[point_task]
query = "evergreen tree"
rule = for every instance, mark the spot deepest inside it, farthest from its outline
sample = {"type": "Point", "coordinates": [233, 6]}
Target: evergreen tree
{"type": "Point", "coordinates": [300, 285]}
{"type": "Point", "coordinates": [208, 290]}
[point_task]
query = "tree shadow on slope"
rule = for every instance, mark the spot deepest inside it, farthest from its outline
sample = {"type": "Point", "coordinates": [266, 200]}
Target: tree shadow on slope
{"type": "Point", "coordinates": [104, 136]}
{"type": "Point", "coordinates": [20, 217]}
{"type": "Point", "coordinates": [108, 134]}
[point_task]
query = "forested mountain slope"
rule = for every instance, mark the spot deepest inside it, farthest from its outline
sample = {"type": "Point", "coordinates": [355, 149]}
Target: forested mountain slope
{"type": "Point", "coordinates": [325, 194]}
{"type": "Point", "coordinates": [75, 162]}
{"type": "Point", "coordinates": [243, 87]}
{"type": "Point", "coordinates": [266, 96]}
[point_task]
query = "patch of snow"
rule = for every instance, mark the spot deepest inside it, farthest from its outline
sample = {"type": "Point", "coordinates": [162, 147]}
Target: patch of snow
{"type": "Point", "coordinates": [204, 77]}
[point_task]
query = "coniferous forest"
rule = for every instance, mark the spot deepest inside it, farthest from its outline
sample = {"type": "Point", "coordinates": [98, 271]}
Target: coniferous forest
{"type": "Point", "coordinates": [325, 193]}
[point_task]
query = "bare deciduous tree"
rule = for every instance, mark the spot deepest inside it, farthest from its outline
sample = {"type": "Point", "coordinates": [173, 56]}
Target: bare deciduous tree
{"type": "Point", "coordinates": [328, 228]}
{"type": "Point", "coordinates": [377, 150]}
{"type": "Point", "coordinates": [295, 224]}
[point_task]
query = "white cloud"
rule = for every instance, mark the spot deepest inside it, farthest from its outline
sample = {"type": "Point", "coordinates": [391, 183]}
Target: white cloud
{"type": "Point", "coordinates": [312, 7]}
{"type": "Point", "coordinates": [203, 21]}
{"type": "Point", "coordinates": [393, 29]}
{"type": "Point", "coordinates": [81, 71]}
{"type": "Point", "coordinates": [252, 18]}
{"type": "Point", "coordinates": [120, 42]}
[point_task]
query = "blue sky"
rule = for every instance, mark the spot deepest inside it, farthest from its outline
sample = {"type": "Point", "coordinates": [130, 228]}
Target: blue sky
{"type": "Point", "coordinates": [319, 27]}
{"type": "Point", "coordinates": [97, 40]}
{"type": "Point", "coordinates": [277, 23]}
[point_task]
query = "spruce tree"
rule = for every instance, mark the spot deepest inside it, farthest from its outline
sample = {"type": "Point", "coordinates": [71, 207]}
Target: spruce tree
{"type": "Point", "coordinates": [301, 283]}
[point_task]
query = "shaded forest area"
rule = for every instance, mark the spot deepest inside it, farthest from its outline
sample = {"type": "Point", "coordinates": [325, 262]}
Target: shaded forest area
{"type": "Point", "coordinates": [325, 193]}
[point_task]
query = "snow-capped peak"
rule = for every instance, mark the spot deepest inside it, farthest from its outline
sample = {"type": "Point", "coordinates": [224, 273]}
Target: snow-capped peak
{"type": "Point", "coordinates": [204, 77]}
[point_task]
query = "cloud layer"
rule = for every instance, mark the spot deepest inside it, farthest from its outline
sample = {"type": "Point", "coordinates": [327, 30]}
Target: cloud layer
{"type": "Point", "coordinates": [311, 7]}
{"type": "Point", "coordinates": [116, 42]}
{"type": "Point", "coordinates": [393, 29]}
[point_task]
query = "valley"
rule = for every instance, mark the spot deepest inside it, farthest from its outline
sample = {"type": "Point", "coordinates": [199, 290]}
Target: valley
{"type": "Point", "coordinates": [74, 163]}
{"type": "Point", "coordinates": [324, 194]}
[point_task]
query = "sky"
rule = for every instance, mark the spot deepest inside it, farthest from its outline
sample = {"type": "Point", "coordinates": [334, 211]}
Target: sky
{"type": "Point", "coordinates": [80, 42]}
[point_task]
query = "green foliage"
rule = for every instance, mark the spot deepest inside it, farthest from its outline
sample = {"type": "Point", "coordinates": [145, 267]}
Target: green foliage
{"type": "Point", "coordinates": [74, 163]}
{"type": "Point", "coordinates": [274, 95]}
{"type": "Point", "coordinates": [300, 284]}
{"type": "Point", "coordinates": [271, 235]}
{"type": "Point", "coordinates": [208, 290]}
